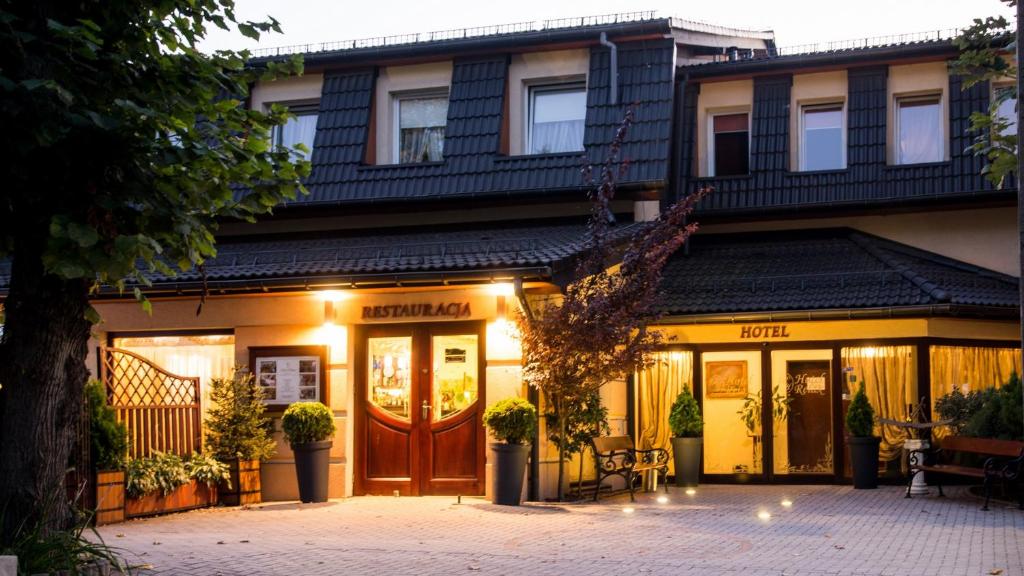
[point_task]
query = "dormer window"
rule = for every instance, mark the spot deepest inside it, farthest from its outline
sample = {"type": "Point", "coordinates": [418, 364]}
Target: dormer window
{"type": "Point", "coordinates": [730, 144]}
{"type": "Point", "coordinates": [557, 115]}
{"type": "Point", "coordinates": [299, 129]}
{"type": "Point", "coordinates": [920, 137]}
{"type": "Point", "coordinates": [822, 138]}
{"type": "Point", "coordinates": [1007, 108]}
{"type": "Point", "coordinates": [420, 121]}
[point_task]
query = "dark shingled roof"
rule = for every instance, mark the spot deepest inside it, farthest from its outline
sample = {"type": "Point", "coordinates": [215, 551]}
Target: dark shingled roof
{"type": "Point", "coordinates": [473, 165]}
{"type": "Point", "coordinates": [822, 270]}
{"type": "Point", "coordinates": [250, 264]}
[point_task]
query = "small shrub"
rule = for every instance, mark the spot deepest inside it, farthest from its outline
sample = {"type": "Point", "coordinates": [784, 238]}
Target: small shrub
{"type": "Point", "coordinates": [999, 414]}
{"type": "Point", "coordinates": [41, 550]}
{"type": "Point", "coordinates": [236, 427]}
{"type": "Point", "coordinates": [512, 420]}
{"type": "Point", "coordinates": [162, 471]}
{"type": "Point", "coordinates": [586, 418]}
{"type": "Point", "coordinates": [860, 416]}
{"type": "Point", "coordinates": [684, 418]}
{"type": "Point", "coordinates": [305, 422]}
{"type": "Point", "coordinates": [109, 437]}
{"type": "Point", "coordinates": [208, 470]}
{"type": "Point", "coordinates": [958, 407]}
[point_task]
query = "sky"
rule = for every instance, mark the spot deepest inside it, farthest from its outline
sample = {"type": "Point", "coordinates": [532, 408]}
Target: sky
{"type": "Point", "coordinates": [795, 22]}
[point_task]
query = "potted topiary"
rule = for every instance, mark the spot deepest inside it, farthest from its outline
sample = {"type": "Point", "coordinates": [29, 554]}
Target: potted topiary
{"type": "Point", "coordinates": [513, 422]}
{"type": "Point", "coordinates": [687, 437]}
{"type": "Point", "coordinates": [239, 435]}
{"type": "Point", "coordinates": [308, 427]}
{"type": "Point", "coordinates": [860, 423]}
{"type": "Point", "coordinates": [109, 440]}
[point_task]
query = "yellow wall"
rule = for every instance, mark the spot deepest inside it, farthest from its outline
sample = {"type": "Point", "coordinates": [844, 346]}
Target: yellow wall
{"type": "Point", "coordinates": [393, 80]}
{"type": "Point", "coordinates": [808, 89]}
{"type": "Point", "coordinates": [985, 237]}
{"type": "Point", "coordinates": [914, 80]}
{"type": "Point", "coordinates": [307, 87]}
{"type": "Point", "coordinates": [719, 97]}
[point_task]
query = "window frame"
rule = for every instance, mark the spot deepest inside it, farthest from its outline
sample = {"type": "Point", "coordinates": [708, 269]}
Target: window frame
{"type": "Point", "coordinates": [801, 133]}
{"type": "Point", "coordinates": [575, 85]}
{"type": "Point", "coordinates": [306, 107]}
{"type": "Point", "coordinates": [939, 98]}
{"type": "Point", "coordinates": [396, 118]}
{"type": "Point", "coordinates": [710, 129]}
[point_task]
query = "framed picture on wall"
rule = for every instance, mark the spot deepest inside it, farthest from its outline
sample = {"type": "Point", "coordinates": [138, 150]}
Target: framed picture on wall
{"type": "Point", "coordinates": [290, 374]}
{"type": "Point", "coordinates": [727, 379]}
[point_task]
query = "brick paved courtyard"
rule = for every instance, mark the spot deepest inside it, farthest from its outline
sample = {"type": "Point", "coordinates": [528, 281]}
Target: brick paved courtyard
{"type": "Point", "coordinates": [826, 530]}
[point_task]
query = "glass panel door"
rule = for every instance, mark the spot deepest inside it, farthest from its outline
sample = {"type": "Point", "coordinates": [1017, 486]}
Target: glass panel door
{"type": "Point", "coordinates": [801, 408]}
{"type": "Point", "coordinates": [389, 379]}
{"type": "Point", "coordinates": [455, 374]}
{"type": "Point", "coordinates": [731, 385]}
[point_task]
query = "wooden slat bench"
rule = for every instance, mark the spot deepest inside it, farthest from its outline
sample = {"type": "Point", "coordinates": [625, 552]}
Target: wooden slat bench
{"type": "Point", "coordinates": [617, 456]}
{"type": "Point", "coordinates": [1005, 463]}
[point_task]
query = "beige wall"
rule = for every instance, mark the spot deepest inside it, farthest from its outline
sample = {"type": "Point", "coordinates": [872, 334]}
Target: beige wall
{"type": "Point", "coordinates": [985, 237]}
{"type": "Point", "coordinates": [809, 89]}
{"type": "Point", "coordinates": [715, 98]}
{"type": "Point", "coordinates": [538, 68]}
{"type": "Point", "coordinates": [914, 80]}
{"type": "Point", "coordinates": [394, 80]}
{"type": "Point", "coordinates": [307, 87]}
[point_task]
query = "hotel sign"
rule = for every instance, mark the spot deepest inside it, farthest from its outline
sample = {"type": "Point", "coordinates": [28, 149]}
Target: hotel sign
{"type": "Point", "coordinates": [449, 310]}
{"type": "Point", "coordinates": [762, 331]}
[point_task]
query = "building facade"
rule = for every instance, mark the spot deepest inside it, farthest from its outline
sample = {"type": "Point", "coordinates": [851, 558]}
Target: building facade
{"type": "Point", "coordinates": [848, 234]}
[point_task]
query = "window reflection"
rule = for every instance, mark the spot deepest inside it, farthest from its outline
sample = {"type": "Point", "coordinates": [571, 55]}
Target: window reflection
{"type": "Point", "coordinates": [455, 374]}
{"type": "Point", "coordinates": [390, 378]}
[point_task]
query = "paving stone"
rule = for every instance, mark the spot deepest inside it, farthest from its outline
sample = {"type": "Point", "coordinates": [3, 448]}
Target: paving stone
{"type": "Point", "coordinates": [829, 530]}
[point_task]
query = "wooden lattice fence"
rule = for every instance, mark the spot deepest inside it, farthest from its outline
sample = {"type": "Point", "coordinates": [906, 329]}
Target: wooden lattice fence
{"type": "Point", "coordinates": [160, 409]}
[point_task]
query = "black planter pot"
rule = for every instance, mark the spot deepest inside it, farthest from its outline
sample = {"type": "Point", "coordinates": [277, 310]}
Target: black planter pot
{"type": "Point", "coordinates": [312, 462]}
{"type": "Point", "coordinates": [686, 457]}
{"type": "Point", "coordinates": [864, 460]}
{"type": "Point", "coordinates": [509, 469]}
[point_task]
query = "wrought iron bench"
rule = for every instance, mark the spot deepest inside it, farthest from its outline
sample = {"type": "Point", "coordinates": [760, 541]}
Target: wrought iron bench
{"type": "Point", "coordinates": [617, 456]}
{"type": "Point", "coordinates": [1005, 463]}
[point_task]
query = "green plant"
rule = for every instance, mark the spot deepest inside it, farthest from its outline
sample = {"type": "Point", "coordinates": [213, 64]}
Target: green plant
{"type": "Point", "coordinates": [750, 413]}
{"type": "Point", "coordinates": [999, 414]}
{"type": "Point", "coordinates": [684, 418]}
{"type": "Point", "coordinates": [236, 425]}
{"type": "Point", "coordinates": [957, 407]}
{"type": "Point", "coordinates": [109, 437]}
{"type": "Point", "coordinates": [512, 420]}
{"type": "Point", "coordinates": [71, 551]}
{"type": "Point", "coordinates": [860, 416]}
{"type": "Point", "coordinates": [208, 470]}
{"type": "Point", "coordinates": [305, 422]}
{"type": "Point", "coordinates": [161, 471]}
{"type": "Point", "coordinates": [586, 418]}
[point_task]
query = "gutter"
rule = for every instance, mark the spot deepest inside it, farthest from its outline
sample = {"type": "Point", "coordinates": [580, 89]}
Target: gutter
{"type": "Point", "coordinates": [613, 70]}
{"type": "Point", "coordinates": [970, 310]}
{"type": "Point", "coordinates": [533, 397]}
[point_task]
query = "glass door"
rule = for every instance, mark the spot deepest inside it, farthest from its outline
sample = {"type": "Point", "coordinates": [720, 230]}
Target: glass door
{"type": "Point", "coordinates": [731, 394]}
{"type": "Point", "coordinates": [801, 409]}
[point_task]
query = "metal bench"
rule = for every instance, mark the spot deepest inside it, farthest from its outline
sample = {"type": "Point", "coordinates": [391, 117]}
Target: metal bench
{"type": "Point", "coordinates": [1005, 463]}
{"type": "Point", "coordinates": [617, 456]}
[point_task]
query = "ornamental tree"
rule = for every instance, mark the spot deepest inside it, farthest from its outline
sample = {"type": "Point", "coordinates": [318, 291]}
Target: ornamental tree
{"type": "Point", "coordinates": [123, 146]}
{"type": "Point", "coordinates": [598, 330]}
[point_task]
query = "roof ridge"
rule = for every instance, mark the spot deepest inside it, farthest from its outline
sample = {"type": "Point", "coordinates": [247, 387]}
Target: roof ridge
{"type": "Point", "coordinates": [930, 288]}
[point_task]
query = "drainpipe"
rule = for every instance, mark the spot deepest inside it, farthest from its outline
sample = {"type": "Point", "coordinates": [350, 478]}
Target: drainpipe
{"type": "Point", "coordinates": [533, 396]}
{"type": "Point", "coordinates": [614, 71]}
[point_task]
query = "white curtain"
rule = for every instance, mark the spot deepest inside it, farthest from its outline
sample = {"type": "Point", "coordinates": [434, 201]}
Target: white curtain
{"type": "Point", "coordinates": [657, 387]}
{"type": "Point", "coordinates": [422, 145]}
{"type": "Point", "coordinates": [421, 124]}
{"type": "Point", "coordinates": [920, 138]}
{"type": "Point", "coordinates": [549, 137]}
{"type": "Point", "coordinates": [299, 129]}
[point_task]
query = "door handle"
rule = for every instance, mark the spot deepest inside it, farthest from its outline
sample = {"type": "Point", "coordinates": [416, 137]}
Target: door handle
{"type": "Point", "coordinates": [426, 410]}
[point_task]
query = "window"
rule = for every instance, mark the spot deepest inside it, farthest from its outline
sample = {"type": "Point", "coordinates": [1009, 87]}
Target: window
{"type": "Point", "coordinates": [822, 142]}
{"type": "Point", "coordinates": [300, 129]}
{"type": "Point", "coordinates": [730, 145]}
{"type": "Point", "coordinates": [557, 118]}
{"type": "Point", "coordinates": [919, 130]}
{"type": "Point", "coordinates": [1006, 110]}
{"type": "Point", "coordinates": [420, 123]}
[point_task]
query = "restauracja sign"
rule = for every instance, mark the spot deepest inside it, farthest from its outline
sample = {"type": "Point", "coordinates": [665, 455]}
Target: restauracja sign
{"type": "Point", "coordinates": [442, 310]}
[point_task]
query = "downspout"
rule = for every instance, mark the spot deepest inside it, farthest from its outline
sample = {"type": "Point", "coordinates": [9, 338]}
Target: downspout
{"type": "Point", "coordinates": [613, 74]}
{"type": "Point", "coordinates": [533, 396]}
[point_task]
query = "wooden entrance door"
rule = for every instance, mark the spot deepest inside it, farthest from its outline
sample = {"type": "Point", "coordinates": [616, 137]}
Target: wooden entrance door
{"type": "Point", "coordinates": [419, 406]}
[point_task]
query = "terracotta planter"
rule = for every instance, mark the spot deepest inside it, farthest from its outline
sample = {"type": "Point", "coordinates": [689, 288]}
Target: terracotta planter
{"type": "Point", "coordinates": [109, 497]}
{"type": "Point", "coordinates": [185, 497]}
{"type": "Point", "coordinates": [245, 484]}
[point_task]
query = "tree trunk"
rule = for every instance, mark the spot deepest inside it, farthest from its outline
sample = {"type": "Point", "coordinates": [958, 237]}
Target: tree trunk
{"type": "Point", "coordinates": [562, 431]}
{"type": "Point", "coordinates": [43, 372]}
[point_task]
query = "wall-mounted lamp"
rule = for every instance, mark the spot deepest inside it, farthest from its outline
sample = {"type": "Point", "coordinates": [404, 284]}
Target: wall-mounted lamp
{"type": "Point", "coordinates": [330, 298]}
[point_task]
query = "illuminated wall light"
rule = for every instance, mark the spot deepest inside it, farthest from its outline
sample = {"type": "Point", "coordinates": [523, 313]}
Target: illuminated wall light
{"type": "Point", "coordinates": [502, 289]}
{"type": "Point", "coordinates": [331, 295]}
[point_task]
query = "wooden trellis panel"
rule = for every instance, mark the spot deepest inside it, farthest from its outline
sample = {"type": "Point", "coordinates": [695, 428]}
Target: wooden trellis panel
{"type": "Point", "coordinates": [160, 409]}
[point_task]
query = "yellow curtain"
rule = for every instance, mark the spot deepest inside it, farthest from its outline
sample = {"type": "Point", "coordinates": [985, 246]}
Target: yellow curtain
{"type": "Point", "coordinates": [970, 368]}
{"type": "Point", "coordinates": [657, 388]}
{"type": "Point", "coordinates": [889, 375]}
